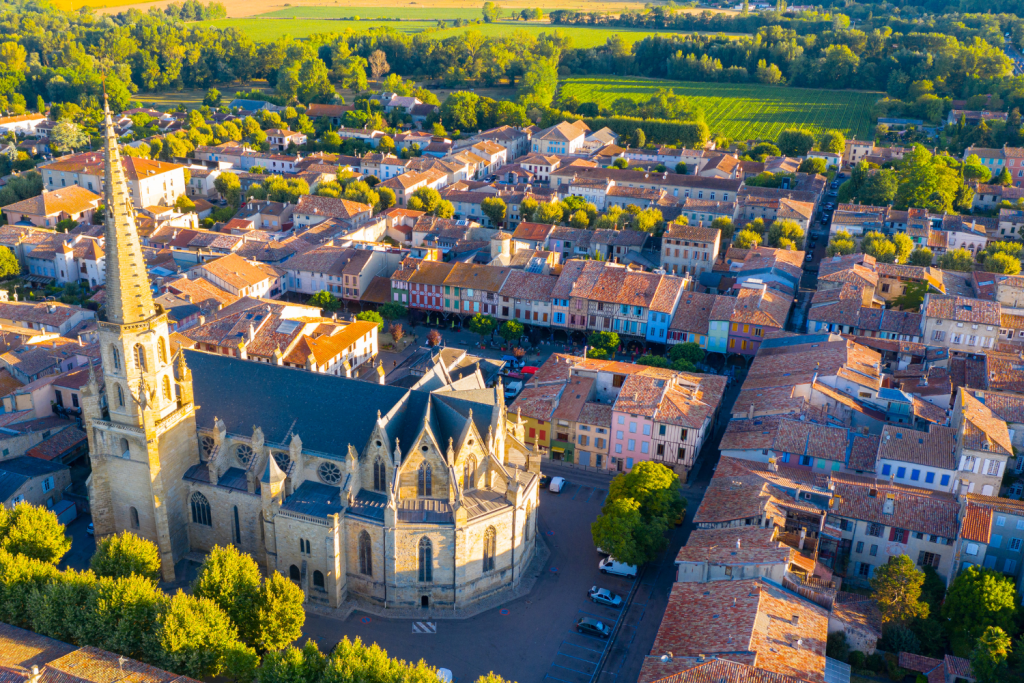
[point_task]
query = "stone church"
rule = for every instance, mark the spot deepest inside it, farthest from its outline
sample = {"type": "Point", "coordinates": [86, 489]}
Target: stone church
{"type": "Point", "coordinates": [425, 496]}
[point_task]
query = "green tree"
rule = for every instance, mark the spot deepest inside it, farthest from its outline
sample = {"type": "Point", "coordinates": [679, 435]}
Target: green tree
{"type": "Point", "coordinates": [922, 256]}
{"type": "Point", "coordinates": [989, 656]}
{"type": "Point", "coordinates": [725, 225]}
{"type": "Point", "coordinates": [393, 311]}
{"type": "Point", "coordinates": [212, 98]}
{"type": "Point", "coordinates": [979, 598]}
{"type": "Point", "coordinates": [795, 142]}
{"type": "Point", "coordinates": [1002, 263]}
{"type": "Point", "coordinates": [691, 352]}
{"type": "Point", "coordinates": [957, 259]}
{"type": "Point", "coordinates": [785, 230]}
{"type": "Point", "coordinates": [653, 361]}
{"type": "Point", "coordinates": [386, 197]}
{"type": "Point", "coordinates": [1004, 178]}
{"type": "Point", "coordinates": [459, 111]}
{"type": "Point", "coordinates": [875, 244]}
{"type": "Point", "coordinates": [268, 615]}
{"type": "Point", "coordinates": [620, 162]}
{"type": "Point", "coordinates": [746, 239]}
{"type": "Point", "coordinates": [927, 181]}
{"type": "Point", "coordinates": [325, 300]}
{"type": "Point", "coordinates": [491, 12]}
{"type": "Point", "coordinates": [281, 615]}
{"type": "Point", "coordinates": [832, 141]}
{"type": "Point", "coordinates": [494, 208]}
{"type": "Point", "coordinates": [878, 189]}
{"type": "Point", "coordinates": [609, 341]}
{"type": "Point", "coordinates": [20, 577]}
{"type": "Point", "coordinates": [68, 136]}
{"type": "Point", "coordinates": [199, 640]}
{"type": "Point", "coordinates": [904, 246]}
{"type": "Point", "coordinates": [481, 324]}
{"type": "Point", "coordinates": [975, 170]}
{"type": "Point", "coordinates": [124, 617]}
{"type": "Point", "coordinates": [229, 187]}
{"type": "Point", "coordinates": [639, 138]}
{"type": "Point", "coordinates": [425, 199]}
{"type": "Point", "coordinates": [184, 204]}
{"type": "Point", "coordinates": [445, 209]}
{"type": "Point", "coordinates": [580, 220]}
{"type": "Point", "coordinates": [896, 587]}
{"type": "Point", "coordinates": [40, 104]}
{"type": "Point", "coordinates": [372, 317]}
{"type": "Point", "coordinates": [125, 554]}
{"type": "Point", "coordinates": [9, 266]}
{"type": "Point", "coordinates": [637, 512]}
{"type": "Point", "coordinates": [360, 191]}
{"type": "Point", "coordinates": [59, 609]}
{"type": "Point", "coordinates": [33, 531]}
{"type": "Point", "coordinates": [548, 213]}
{"type": "Point", "coordinates": [840, 244]}
{"type": "Point", "coordinates": [813, 165]}
{"type": "Point", "coordinates": [511, 331]}
{"type": "Point", "coordinates": [538, 85]}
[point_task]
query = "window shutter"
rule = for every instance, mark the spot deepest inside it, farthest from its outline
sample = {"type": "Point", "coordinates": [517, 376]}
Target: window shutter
{"type": "Point", "coordinates": [892, 534]}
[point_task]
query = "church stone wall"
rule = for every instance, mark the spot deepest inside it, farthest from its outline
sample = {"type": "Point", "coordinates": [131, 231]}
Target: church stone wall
{"type": "Point", "coordinates": [223, 502]}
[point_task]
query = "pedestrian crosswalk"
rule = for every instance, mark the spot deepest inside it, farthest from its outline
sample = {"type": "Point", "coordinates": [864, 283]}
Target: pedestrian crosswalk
{"type": "Point", "coordinates": [424, 627]}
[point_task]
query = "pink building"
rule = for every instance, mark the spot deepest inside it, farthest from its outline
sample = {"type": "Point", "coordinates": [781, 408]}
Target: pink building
{"type": "Point", "coordinates": [664, 416]}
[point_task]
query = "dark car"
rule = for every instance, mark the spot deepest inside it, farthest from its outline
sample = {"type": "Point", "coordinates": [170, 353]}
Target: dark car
{"type": "Point", "coordinates": [593, 627]}
{"type": "Point", "coordinates": [544, 481]}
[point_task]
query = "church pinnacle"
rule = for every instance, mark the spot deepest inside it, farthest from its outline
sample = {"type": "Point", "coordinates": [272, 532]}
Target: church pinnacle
{"type": "Point", "coordinates": [128, 299]}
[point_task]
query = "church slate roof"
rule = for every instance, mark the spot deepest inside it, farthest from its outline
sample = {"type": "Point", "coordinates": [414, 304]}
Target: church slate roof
{"type": "Point", "coordinates": [327, 412]}
{"type": "Point", "coordinates": [315, 499]}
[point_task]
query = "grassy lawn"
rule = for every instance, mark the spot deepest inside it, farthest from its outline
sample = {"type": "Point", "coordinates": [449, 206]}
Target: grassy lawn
{"type": "Point", "coordinates": [741, 111]}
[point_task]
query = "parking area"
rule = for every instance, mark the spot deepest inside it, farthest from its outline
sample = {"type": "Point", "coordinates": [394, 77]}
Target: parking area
{"type": "Point", "coordinates": [534, 637]}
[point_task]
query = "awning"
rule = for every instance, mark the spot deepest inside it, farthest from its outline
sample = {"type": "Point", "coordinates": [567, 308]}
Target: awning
{"type": "Point", "coordinates": [557, 449]}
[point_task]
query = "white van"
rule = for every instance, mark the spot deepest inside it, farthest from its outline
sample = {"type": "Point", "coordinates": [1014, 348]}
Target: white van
{"type": "Point", "coordinates": [557, 484]}
{"type": "Point", "coordinates": [610, 565]}
{"type": "Point", "coordinates": [512, 389]}
{"type": "Point", "coordinates": [444, 675]}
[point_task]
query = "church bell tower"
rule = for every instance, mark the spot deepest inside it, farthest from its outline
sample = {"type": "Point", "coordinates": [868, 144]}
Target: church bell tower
{"type": "Point", "coordinates": [142, 447]}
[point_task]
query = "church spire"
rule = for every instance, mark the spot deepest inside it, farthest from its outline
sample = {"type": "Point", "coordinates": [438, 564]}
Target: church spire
{"type": "Point", "coordinates": [128, 298]}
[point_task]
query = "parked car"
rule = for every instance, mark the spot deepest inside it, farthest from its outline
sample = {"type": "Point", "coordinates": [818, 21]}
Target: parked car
{"type": "Point", "coordinates": [610, 565]}
{"type": "Point", "coordinates": [593, 627]}
{"type": "Point", "coordinates": [91, 530]}
{"type": "Point", "coordinates": [557, 484]}
{"type": "Point", "coordinates": [602, 552]}
{"type": "Point", "coordinates": [544, 481]}
{"type": "Point", "coordinates": [603, 596]}
{"type": "Point", "coordinates": [444, 675]}
{"type": "Point", "coordinates": [512, 389]}
{"type": "Point", "coordinates": [809, 257]}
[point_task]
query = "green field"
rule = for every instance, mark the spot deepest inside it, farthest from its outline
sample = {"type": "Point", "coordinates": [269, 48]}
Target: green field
{"type": "Point", "coordinates": [271, 28]}
{"type": "Point", "coordinates": [744, 111]}
{"type": "Point", "coordinates": [411, 13]}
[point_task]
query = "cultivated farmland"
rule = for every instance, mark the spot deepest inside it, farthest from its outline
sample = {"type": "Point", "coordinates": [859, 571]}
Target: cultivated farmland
{"type": "Point", "coordinates": [744, 111]}
{"type": "Point", "coordinates": [271, 28]}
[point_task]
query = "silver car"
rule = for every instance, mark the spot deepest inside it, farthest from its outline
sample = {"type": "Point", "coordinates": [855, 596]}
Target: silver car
{"type": "Point", "coordinates": [603, 596]}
